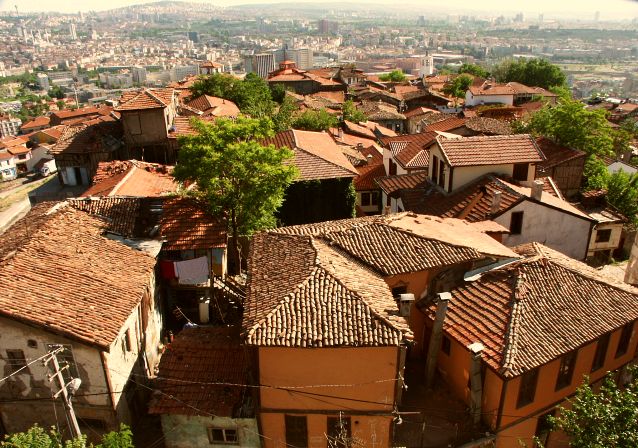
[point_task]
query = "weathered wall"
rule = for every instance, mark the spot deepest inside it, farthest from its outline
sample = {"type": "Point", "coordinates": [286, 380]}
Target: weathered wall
{"type": "Point", "coordinates": [145, 126]}
{"type": "Point", "coordinates": [614, 239]}
{"type": "Point", "coordinates": [190, 431]}
{"type": "Point", "coordinates": [554, 228]}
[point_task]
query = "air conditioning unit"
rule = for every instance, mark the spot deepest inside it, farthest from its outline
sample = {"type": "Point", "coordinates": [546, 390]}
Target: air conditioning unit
{"type": "Point", "coordinates": [405, 304]}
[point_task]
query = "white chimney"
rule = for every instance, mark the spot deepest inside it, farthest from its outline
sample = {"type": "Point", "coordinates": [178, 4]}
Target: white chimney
{"type": "Point", "coordinates": [537, 189]}
{"type": "Point", "coordinates": [496, 202]}
{"type": "Point", "coordinates": [405, 304]}
{"type": "Point", "coordinates": [340, 134]}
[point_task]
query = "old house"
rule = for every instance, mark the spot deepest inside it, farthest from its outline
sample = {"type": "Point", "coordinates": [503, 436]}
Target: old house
{"type": "Point", "coordinates": [370, 167]}
{"type": "Point", "coordinates": [607, 235]}
{"type": "Point", "coordinates": [383, 113]}
{"type": "Point", "coordinates": [536, 213]}
{"type": "Point", "coordinates": [405, 154]}
{"type": "Point", "coordinates": [511, 94]}
{"type": "Point", "coordinates": [213, 107]}
{"type": "Point", "coordinates": [81, 147]}
{"type": "Point", "coordinates": [132, 178]}
{"type": "Point", "coordinates": [323, 190]}
{"type": "Point", "coordinates": [35, 124]}
{"type": "Point", "coordinates": [393, 186]}
{"type": "Point", "coordinates": [78, 115]}
{"type": "Point", "coordinates": [18, 147]}
{"type": "Point", "coordinates": [303, 82]}
{"type": "Point", "coordinates": [8, 169]}
{"type": "Point", "coordinates": [516, 340]}
{"type": "Point", "coordinates": [200, 397]}
{"type": "Point", "coordinates": [564, 165]}
{"type": "Point", "coordinates": [147, 116]}
{"type": "Point", "coordinates": [68, 286]}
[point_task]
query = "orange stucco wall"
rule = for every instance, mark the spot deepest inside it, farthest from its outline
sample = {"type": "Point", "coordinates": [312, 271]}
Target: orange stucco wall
{"type": "Point", "coordinates": [455, 370]}
{"type": "Point", "coordinates": [547, 397]}
{"type": "Point", "coordinates": [364, 373]}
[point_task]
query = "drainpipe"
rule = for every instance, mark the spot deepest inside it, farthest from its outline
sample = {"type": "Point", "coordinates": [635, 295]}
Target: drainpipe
{"type": "Point", "coordinates": [476, 381]}
{"type": "Point", "coordinates": [435, 339]}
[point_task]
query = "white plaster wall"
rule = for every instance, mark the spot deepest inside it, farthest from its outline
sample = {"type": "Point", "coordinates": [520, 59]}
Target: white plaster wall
{"type": "Point", "coordinates": [556, 229]}
{"type": "Point", "coordinates": [183, 431]}
{"type": "Point", "coordinates": [471, 100]}
{"type": "Point", "coordinates": [466, 174]}
{"type": "Point", "coordinates": [614, 239]}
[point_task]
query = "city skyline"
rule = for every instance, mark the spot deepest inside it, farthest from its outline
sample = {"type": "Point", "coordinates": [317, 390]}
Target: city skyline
{"type": "Point", "coordinates": [582, 10]}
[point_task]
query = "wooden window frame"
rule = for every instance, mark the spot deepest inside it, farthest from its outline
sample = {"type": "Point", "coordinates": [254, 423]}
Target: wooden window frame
{"type": "Point", "coordinates": [296, 427]}
{"type": "Point", "coordinates": [566, 369]}
{"type": "Point", "coordinates": [602, 347]}
{"type": "Point", "coordinates": [229, 436]}
{"type": "Point", "coordinates": [527, 388]}
{"type": "Point", "coordinates": [516, 224]}
{"type": "Point", "coordinates": [625, 338]}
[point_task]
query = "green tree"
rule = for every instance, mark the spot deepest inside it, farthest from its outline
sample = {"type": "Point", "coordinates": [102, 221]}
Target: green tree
{"type": "Point", "coordinates": [37, 437]}
{"type": "Point", "coordinates": [315, 120]}
{"type": "Point", "coordinates": [60, 104]}
{"type": "Point", "coordinates": [531, 72]}
{"type": "Point", "coordinates": [474, 69]}
{"type": "Point", "coordinates": [458, 86]}
{"type": "Point", "coordinates": [56, 92]}
{"type": "Point", "coordinates": [235, 174]}
{"type": "Point", "coordinates": [278, 93]}
{"type": "Point", "coordinates": [351, 113]}
{"type": "Point", "coordinates": [284, 116]}
{"type": "Point", "coordinates": [393, 76]}
{"type": "Point", "coordinates": [607, 419]}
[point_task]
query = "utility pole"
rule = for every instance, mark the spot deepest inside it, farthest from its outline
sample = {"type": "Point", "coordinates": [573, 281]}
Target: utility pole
{"type": "Point", "coordinates": [66, 397]}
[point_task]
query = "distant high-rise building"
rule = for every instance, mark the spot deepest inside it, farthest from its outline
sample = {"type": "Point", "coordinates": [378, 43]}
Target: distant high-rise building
{"type": "Point", "coordinates": [302, 57]}
{"type": "Point", "coordinates": [72, 31]}
{"type": "Point", "coordinates": [261, 64]}
{"type": "Point", "coordinates": [139, 75]}
{"type": "Point", "coordinates": [93, 35]}
{"type": "Point", "coordinates": [180, 72]}
{"type": "Point", "coordinates": [193, 36]}
{"type": "Point", "coordinates": [9, 126]}
{"type": "Point", "coordinates": [327, 26]}
{"type": "Point", "coordinates": [43, 81]}
{"type": "Point", "coordinates": [421, 21]}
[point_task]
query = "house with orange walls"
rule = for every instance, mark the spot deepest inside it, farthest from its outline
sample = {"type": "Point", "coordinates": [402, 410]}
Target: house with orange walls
{"type": "Point", "coordinates": [518, 340]}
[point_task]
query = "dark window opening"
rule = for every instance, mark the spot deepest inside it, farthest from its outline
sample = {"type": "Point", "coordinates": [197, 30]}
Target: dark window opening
{"type": "Point", "coordinates": [520, 171]}
{"type": "Point", "coordinates": [339, 432]}
{"type": "Point", "coordinates": [566, 370]}
{"type": "Point", "coordinates": [527, 388]}
{"type": "Point", "coordinates": [223, 435]}
{"type": "Point", "coordinates": [516, 223]}
{"type": "Point", "coordinates": [296, 431]}
{"type": "Point", "coordinates": [32, 343]}
{"type": "Point", "coordinates": [603, 236]}
{"type": "Point", "coordinates": [435, 169]}
{"type": "Point", "coordinates": [369, 198]}
{"type": "Point", "coordinates": [398, 290]}
{"type": "Point", "coordinates": [446, 345]}
{"type": "Point", "coordinates": [625, 337]}
{"type": "Point", "coordinates": [16, 360]}
{"type": "Point", "coordinates": [393, 168]}
{"type": "Point", "coordinates": [544, 427]}
{"type": "Point", "coordinates": [65, 358]}
{"type": "Point", "coordinates": [441, 174]}
{"type": "Point", "coordinates": [601, 352]}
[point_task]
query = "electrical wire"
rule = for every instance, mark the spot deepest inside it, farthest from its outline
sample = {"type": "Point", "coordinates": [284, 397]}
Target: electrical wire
{"type": "Point", "coordinates": [30, 363]}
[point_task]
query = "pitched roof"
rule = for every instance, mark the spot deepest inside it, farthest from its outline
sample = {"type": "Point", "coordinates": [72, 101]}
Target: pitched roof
{"type": "Point", "coordinates": [490, 150]}
{"type": "Point", "coordinates": [185, 224]}
{"type": "Point", "coordinates": [555, 154]}
{"type": "Point", "coordinates": [489, 126]}
{"type": "Point", "coordinates": [379, 111]}
{"type": "Point", "coordinates": [36, 122]}
{"type": "Point", "coordinates": [64, 276]}
{"type": "Point", "coordinates": [212, 105]}
{"type": "Point", "coordinates": [198, 356]}
{"type": "Point", "coordinates": [145, 99]}
{"type": "Point", "coordinates": [411, 150]}
{"type": "Point", "coordinates": [89, 136]}
{"type": "Point", "coordinates": [303, 293]}
{"type": "Point", "coordinates": [534, 310]}
{"type": "Point", "coordinates": [131, 178]}
{"type": "Point", "coordinates": [367, 176]}
{"type": "Point", "coordinates": [317, 156]}
{"type": "Point", "coordinates": [446, 125]}
{"type": "Point", "coordinates": [393, 184]}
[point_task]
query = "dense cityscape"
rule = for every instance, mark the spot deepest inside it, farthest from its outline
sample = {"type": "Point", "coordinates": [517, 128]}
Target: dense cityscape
{"type": "Point", "coordinates": [318, 225]}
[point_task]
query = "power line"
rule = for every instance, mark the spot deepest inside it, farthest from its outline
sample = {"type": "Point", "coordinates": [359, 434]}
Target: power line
{"type": "Point", "coordinates": [32, 362]}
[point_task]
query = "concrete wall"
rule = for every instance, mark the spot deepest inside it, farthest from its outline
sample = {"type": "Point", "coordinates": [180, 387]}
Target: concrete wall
{"type": "Point", "coordinates": [191, 431]}
{"type": "Point", "coordinates": [471, 100]}
{"type": "Point", "coordinates": [614, 239]}
{"type": "Point", "coordinates": [32, 382]}
{"type": "Point", "coordinates": [559, 230]}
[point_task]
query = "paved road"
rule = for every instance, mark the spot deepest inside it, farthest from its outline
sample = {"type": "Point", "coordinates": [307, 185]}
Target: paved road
{"type": "Point", "coordinates": [13, 213]}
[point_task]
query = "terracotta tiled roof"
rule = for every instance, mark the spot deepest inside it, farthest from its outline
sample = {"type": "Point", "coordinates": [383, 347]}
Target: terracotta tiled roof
{"type": "Point", "coordinates": [121, 213]}
{"type": "Point", "coordinates": [146, 99]}
{"type": "Point", "coordinates": [355, 128]}
{"type": "Point", "coordinates": [392, 185]}
{"type": "Point", "coordinates": [212, 105]}
{"type": "Point", "coordinates": [379, 111]}
{"type": "Point", "coordinates": [488, 126]}
{"type": "Point", "coordinates": [446, 125]}
{"type": "Point", "coordinates": [419, 111]}
{"type": "Point", "coordinates": [12, 142]}
{"type": "Point", "coordinates": [79, 115]}
{"type": "Point", "coordinates": [303, 293]}
{"type": "Point", "coordinates": [185, 224]}
{"type": "Point", "coordinates": [317, 156]}
{"type": "Point", "coordinates": [37, 122]}
{"type": "Point", "coordinates": [411, 150]}
{"type": "Point", "coordinates": [532, 311]}
{"type": "Point", "coordinates": [491, 150]}
{"type": "Point", "coordinates": [195, 357]}
{"type": "Point", "coordinates": [68, 279]}
{"type": "Point", "coordinates": [367, 175]}
{"type": "Point", "coordinates": [131, 178]}
{"type": "Point", "coordinates": [89, 137]}
{"type": "Point", "coordinates": [555, 154]}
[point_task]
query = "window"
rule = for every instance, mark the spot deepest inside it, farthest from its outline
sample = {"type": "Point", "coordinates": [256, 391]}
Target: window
{"type": "Point", "coordinates": [527, 388]}
{"type": "Point", "coordinates": [516, 223]}
{"type": "Point", "coordinates": [32, 343]}
{"type": "Point", "coordinates": [543, 427]}
{"type": "Point", "coordinates": [296, 431]}
{"type": "Point", "coordinates": [398, 290]}
{"type": "Point", "coordinates": [603, 236]}
{"type": "Point", "coordinates": [65, 358]}
{"type": "Point", "coordinates": [135, 124]}
{"type": "Point", "coordinates": [374, 198]}
{"type": "Point", "coordinates": [520, 171]}
{"type": "Point", "coordinates": [127, 343]}
{"type": "Point", "coordinates": [435, 169]}
{"type": "Point", "coordinates": [625, 337]}
{"type": "Point", "coordinates": [446, 345]}
{"type": "Point", "coordinates": [393, 168]}
{"type": "Point", "coordinates": [223, 435]}
{"type": "Point", "coordinates": [370, 198]}
{"type": "Point", "coordinates": [441, 174]}
{"type": "Point", "coordinates": [16, 360]}
{"type": "Point", "coordinates": [566, 370]}
{"type": "Point", "coordinates": [601, 352]}
{"type": "Point", "coordinates": [339, 431]}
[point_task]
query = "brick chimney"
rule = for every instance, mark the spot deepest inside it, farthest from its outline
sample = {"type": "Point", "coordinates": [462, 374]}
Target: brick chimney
{"type": "Point", "coordinates": [537, 189]}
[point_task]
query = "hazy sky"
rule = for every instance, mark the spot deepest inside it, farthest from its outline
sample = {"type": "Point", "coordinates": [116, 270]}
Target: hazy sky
{"type": "Point", "coordinates": [609, 9]}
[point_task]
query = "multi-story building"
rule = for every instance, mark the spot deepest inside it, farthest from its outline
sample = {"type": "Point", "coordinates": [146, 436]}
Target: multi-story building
{"type": "Point", "coordinates": [260, 64]}
{"type": "Point", "coordinates": [9, 126]}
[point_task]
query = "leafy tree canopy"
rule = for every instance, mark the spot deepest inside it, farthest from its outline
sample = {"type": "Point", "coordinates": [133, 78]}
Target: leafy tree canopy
{"type": "Point", "coordinates": [37, 437]}
{"type": "Point", "coordinates": [351, 113]}
{"type": "Point", "coordinates": [285, 114]}
{"type": "Point", "coordinates": [474, 69]}
{"type": "Point", "coordinates": [235, 174]}
{"type": "Point", "coordinates": [531, 72]}
{"type": "Point", "coordinates": [315, 120]}
{"type": "Point", "coordinates": [252, 94]}
{"type": "Point", "coordinates": [458, 86]}
{"type": "Point", "coordinates": [602, 420]}
{"type": "Point", "coordinates": [393, 76]}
